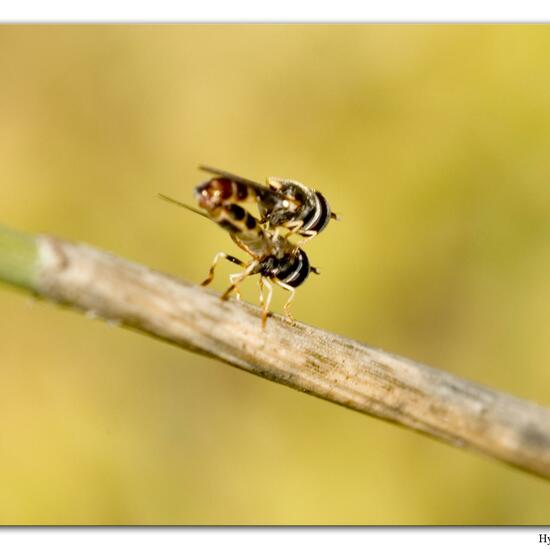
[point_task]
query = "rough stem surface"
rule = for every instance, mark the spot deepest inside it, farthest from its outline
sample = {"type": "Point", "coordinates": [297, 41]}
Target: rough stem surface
{"type": "Point", "coordinates": [343, 371]}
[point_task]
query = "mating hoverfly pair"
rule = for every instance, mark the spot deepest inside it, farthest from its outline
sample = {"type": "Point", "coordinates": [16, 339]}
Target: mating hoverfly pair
{"type": "Point", "coordinates": [282, 204]}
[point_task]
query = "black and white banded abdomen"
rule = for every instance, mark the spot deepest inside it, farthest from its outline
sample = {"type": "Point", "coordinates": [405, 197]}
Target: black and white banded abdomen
{"type": "Point", "coordinates": [317, 218]}
{"type": "Point", "coordinates": [293, 269]}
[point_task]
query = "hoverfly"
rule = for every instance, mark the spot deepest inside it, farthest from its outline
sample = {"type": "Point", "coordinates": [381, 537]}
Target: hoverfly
{"type": "Point", "coordinates": [282, 203]}
{"type": "Point", "coordinates": [274, 257]}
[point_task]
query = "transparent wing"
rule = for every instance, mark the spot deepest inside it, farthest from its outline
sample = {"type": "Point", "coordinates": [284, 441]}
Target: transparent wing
{"type": "Point", "coordinates": [222, 173]}
{"type": "Point", "coordinates": [182, 204]}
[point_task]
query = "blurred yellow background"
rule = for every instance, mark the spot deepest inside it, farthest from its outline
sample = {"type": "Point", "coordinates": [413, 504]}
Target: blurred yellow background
{"type": "Point", "coordinates": [431, 142]}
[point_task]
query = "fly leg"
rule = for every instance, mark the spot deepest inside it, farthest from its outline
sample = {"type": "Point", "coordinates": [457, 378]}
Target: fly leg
{"type": "Point", "coordinates": [217, 258]}
{"type": "Point", "coordinates": [238, 278]}
{"type": "Point", "coordinates": [265, 304]}
{"type": "Point", "coordinates": [295, 227]}
{"type": "Point", "coordinates": [308, 236]}
{"type": "Point", "coordinates": [292, 291]}
{"type": "Point", "coordinates": [232, 279]}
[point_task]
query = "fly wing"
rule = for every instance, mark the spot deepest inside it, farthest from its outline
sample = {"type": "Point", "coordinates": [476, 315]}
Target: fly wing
{"type": "Point", "coordinates": [259, 187]}
{"type": "Point", "coordinates": [182, 204]}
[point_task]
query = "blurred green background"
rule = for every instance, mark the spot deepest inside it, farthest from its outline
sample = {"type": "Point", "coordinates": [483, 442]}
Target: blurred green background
{"type": "Point", "coordinates": [432, 144]}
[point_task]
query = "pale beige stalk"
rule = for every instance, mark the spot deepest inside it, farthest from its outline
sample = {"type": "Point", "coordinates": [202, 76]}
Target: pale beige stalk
{"type": "Point", "coordinates": [334, 368]}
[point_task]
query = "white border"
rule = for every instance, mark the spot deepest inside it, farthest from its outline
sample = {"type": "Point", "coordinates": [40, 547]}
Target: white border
{"type": "Point", "coordinates": [373, 538]}
{"type": "Point", "coordinates": [276, 11]}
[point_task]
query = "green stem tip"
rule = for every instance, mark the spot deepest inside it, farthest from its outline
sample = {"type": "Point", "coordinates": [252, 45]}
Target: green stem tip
{"type": "Point", "coordinates": [18, 258]}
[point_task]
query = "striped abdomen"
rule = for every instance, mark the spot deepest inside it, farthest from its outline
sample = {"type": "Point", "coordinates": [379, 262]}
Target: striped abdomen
{"type": "Point", "coordinates": [223, 191]}
{"type": "Point", "coordinates": [243, 228]}
{"type": "Point", "coordinates": [317, 217]}
{"type": "Point", "coordinates": [292, 269]}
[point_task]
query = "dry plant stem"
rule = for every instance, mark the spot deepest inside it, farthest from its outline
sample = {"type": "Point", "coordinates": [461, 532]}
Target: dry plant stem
{"type": "Point", "coordinates": [339, 370]}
